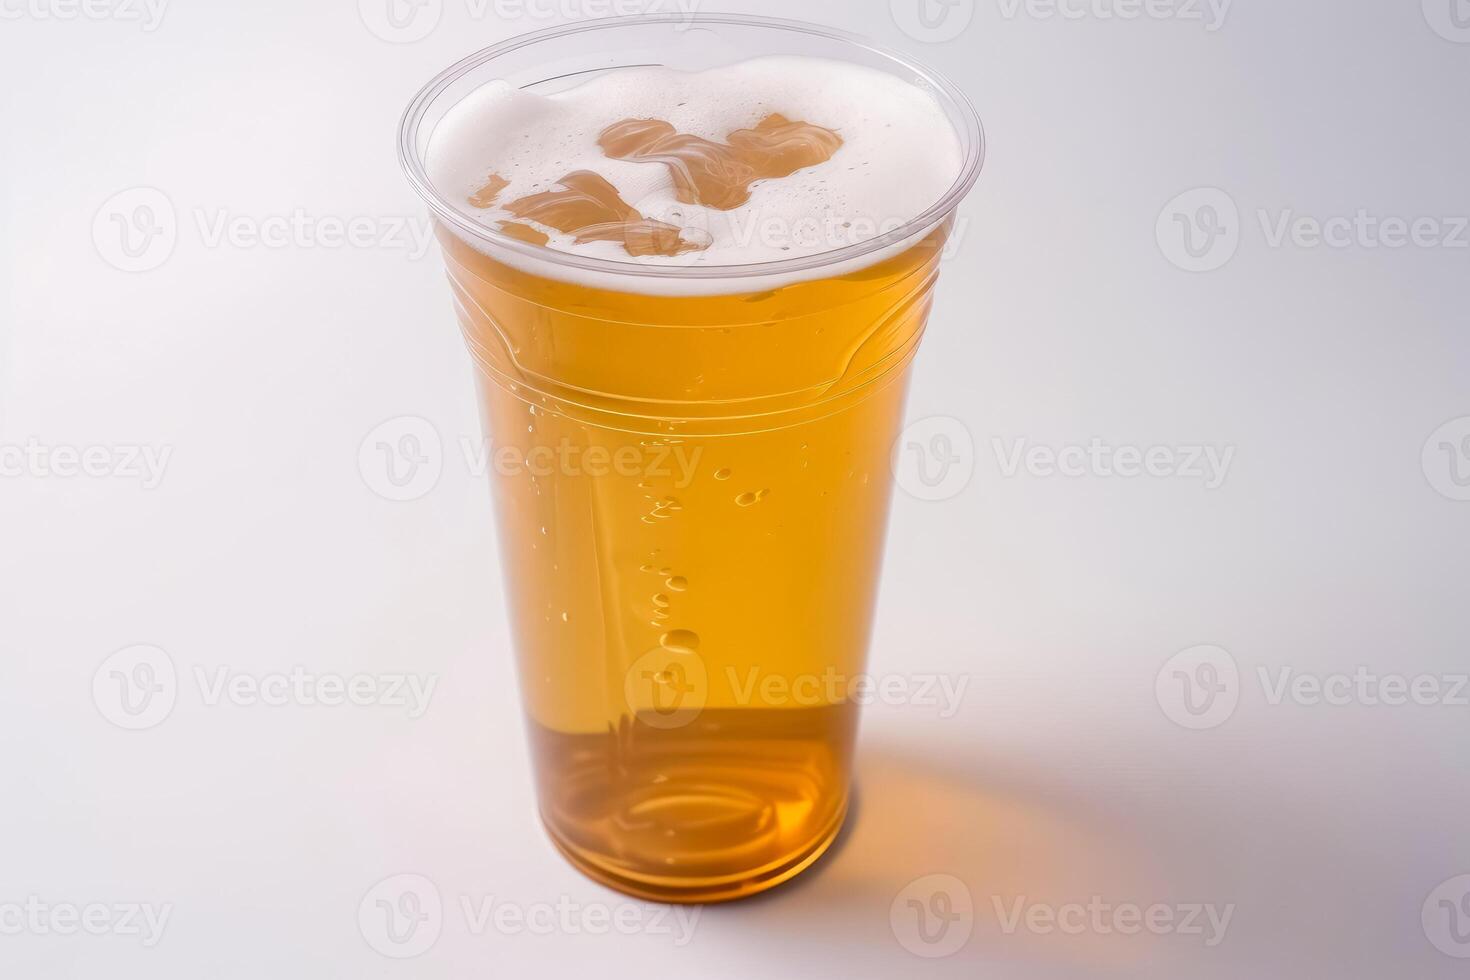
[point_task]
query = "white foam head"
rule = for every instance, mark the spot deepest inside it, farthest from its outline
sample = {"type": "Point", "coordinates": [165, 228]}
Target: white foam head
{"type": "Point", "coordinates": [899, 157]}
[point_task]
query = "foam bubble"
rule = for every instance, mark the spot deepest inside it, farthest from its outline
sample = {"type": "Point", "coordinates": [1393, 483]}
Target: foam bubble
{"type": "Point", "coordinates": [899, 156]}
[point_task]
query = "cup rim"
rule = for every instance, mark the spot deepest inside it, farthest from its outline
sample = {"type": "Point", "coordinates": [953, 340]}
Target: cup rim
{"type": "Point", "coordinates": [413, 165]}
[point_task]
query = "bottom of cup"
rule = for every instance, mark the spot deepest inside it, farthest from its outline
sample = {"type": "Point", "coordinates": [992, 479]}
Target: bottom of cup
{"type": "Point", "coordinates": [693, 890]}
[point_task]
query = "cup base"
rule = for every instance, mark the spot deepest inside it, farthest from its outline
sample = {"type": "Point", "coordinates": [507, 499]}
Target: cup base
{"type": "Point", "coordinates": [700, 890]}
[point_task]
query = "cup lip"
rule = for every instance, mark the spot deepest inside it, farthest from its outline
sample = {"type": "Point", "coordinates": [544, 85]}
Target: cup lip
{"type": "Point", "coordinates": [413, 165]}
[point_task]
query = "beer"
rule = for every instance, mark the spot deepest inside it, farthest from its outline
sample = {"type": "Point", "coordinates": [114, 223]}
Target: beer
{"type": "Point", "coordinates": [691, 438]}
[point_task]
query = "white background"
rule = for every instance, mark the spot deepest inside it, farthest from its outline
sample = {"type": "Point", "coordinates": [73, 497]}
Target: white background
{"type": "Point", "coordinates": [1335, 541]}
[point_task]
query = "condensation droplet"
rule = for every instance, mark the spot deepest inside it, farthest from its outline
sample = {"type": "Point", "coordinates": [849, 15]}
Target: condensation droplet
{"type": "Point", "coordinates": [722, 474]}
{"type": "Point", "coordinates": [678, 583]}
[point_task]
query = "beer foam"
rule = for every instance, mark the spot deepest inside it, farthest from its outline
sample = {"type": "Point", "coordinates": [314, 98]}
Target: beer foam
{"type": "Point", "coordinates": [899, 155]}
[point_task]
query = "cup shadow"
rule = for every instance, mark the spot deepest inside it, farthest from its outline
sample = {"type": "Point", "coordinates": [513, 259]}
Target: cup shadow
{"type": "Point", "coordinates": [918, 813]}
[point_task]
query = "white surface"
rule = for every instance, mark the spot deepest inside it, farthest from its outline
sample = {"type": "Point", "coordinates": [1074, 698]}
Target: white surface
{"type": "Point", "coordinates": [1337, 539]}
